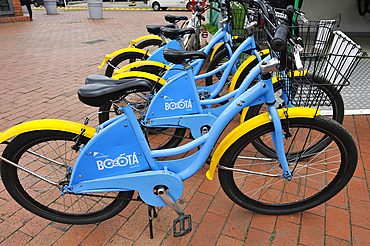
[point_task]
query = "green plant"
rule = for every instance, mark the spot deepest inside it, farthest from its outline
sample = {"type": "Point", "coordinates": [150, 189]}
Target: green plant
{"type": "Point", "coordinates": [210, 28]}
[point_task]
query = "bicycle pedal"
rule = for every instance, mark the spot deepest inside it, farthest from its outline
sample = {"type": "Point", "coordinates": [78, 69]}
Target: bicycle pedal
{"type": "Point", "coordinates": [182, 221]}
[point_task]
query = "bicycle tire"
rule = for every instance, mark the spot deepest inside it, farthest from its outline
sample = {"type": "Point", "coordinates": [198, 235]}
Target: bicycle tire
{"type": "Point", "coordinates": [331, 94]}
{"type": "Point", "coordinates": [330, 91]}
{"type": "Point", "coordinates": [122, 60]}
{"type": "Point", "coordinates": [315, 180]}
{"type": "Point", "coordinates": [44, 199]}
{"type": "Point", "coordinates": [190, 44]}
{"type": "Point", "coordinates": [197, 38]}
{"type": "Point", "coordinates": [149, 45]}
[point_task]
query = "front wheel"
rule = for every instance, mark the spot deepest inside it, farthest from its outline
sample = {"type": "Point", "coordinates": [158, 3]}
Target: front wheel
{"type": "Point", "coordinates": [49, 153]}
{"type": "Point", "coordinates": [257, 183]}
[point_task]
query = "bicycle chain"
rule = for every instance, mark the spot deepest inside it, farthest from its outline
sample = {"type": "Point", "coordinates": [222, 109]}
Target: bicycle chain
{"type": "Point", "coordinates": [111, 197]}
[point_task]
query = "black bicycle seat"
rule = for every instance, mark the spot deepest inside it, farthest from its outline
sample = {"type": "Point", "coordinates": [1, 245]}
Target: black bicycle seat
{"type": "Point", "coordinates": [156, 29]}
{"type": "Point", "coordinates": [179, 56]}
{"type": "Point", "coordinates": [173, 19]}
{"type": "Point", "coordinates": [96, 93]}
{"type": "Point", "coordinates": [175, 33]}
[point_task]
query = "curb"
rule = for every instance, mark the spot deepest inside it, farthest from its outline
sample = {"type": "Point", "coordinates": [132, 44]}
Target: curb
{"type": "Point", "coordinates": [130, 9]}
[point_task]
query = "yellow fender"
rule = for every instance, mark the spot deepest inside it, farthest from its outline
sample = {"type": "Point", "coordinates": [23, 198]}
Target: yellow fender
{"type": "Point", "coordinates": [248, 126]}
{"type": "Point", "coordinates": [145, 75]}
{"type": "Point", "coordinates": [117, 52]}
{"type": "Point", "coordinates": [242, 67]}
{"type": "Point", "coordinates": [218, 46]}
{"type": "Point", "coordinates": [140, 63]}
{"type": "Point", "coordinates": [36, 125]}
{"type": "Point", "coordinates": [143, 38]}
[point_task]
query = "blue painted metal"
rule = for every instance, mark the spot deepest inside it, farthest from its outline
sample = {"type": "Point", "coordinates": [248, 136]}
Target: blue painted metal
{"type": "Point", "coordinates": [108, 153]}
{"type": "Point", "coordinates": [143, 182]}
{"type": "Point", "coordinates": [168, 102]}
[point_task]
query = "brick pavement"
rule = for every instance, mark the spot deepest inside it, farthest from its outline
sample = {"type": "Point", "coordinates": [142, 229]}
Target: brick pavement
{"type": "Point", "coordinates": [43, 64]}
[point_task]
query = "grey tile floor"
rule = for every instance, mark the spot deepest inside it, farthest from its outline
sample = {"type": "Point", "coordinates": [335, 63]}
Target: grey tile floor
{"type": "Point", "coordinates": [356, 96]}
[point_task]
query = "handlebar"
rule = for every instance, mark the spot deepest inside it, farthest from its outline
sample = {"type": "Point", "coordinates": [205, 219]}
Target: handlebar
{"type": "Point", "coordinates": [278, 43]}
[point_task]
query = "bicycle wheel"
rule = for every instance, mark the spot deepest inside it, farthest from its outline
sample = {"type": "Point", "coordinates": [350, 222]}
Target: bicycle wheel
{"type": "Point", "coordinates": [149, 45]}
{"type": "Point", "coordinates": [194, 39]}
{"type": "Point", "coordinates": [333, 102]}
{"type": "Point", "coordinates": [123, 59]}
{"type": "Point", "coordinates": [316, 178]}
{"type": "Point", "coordinates": [219, 59]}
{"type": "Point", "coordinates": [139, 101]}
{"type": "Point", "coordinates": [49, 153]}
{"type": "Point", "coordinates": [333, 107]}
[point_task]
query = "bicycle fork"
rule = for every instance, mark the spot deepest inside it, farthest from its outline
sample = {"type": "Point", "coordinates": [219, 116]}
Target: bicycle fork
{"type": "Point", "coordinates": [277, 135]}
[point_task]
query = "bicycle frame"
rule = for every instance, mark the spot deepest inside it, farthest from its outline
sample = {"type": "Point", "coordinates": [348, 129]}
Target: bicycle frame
{"type": "Point", "coordinates": [220, 36]}
{"type": "Point", "coordinates": [140, 170]}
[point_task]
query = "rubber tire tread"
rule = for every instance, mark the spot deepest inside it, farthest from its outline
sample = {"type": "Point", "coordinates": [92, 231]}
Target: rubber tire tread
{"type": "Point", "coordinates": [338, 132]}
{"type": "Point", "coordinates": [337, 102]}
{"type": "Point", "coordinates": [122, 57]}
{"type": "Point", "coordinates": [11, 182]}
{"type": "Point", "coordinates": [149, 42]}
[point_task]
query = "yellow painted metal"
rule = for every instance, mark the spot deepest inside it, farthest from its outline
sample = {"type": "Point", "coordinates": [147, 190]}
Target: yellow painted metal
{"type": "Point", "coordinates": [242, 67]}
{"type": "Point", "coordinates": [248, 126]}
{"type": "Point", "coordinates": [47, 124]}
{"type": "Point", "coordinates": [134, 41]}
{"type": "Point", "coordinates": [215, 49]}
{"type": "Point", "coordinates": [138, 64]}
{"type": "Point", "coordinates": [145, 75]}
{"type": "Point", "coordinates": [117, 52]}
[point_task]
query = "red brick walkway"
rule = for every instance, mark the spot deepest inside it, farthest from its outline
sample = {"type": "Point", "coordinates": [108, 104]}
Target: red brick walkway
{"type": "Point", "coordinates": [44, 62]}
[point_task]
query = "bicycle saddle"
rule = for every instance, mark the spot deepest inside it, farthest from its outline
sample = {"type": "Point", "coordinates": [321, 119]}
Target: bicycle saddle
{"type": "Point", "coordinates": [179, 56]}
{"type": "Point", "coordinates": [175, 33]}
{"type": "Point", "coordinates": [156, 29]}
{"type": "Point", "coordinates": [173, 19]}
{"type": "Point", "coordinates": [100, 89]}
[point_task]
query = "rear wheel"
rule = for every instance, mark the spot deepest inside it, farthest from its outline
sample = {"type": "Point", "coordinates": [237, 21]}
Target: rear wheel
{"type": "Point", "coordinates": [156, 7]}
{"type": "Point", "coordinates": [123, 59]}
{"type": "Point", "coordinates": [49, 153]}
{"type": "Point", "coordinates": [149, 45]}
{"type": "Point", "coordinates": [256, 182]}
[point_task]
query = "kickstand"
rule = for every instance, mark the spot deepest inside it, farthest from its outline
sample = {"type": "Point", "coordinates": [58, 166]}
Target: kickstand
{"type": "Point", "coordinates": [150, 208]}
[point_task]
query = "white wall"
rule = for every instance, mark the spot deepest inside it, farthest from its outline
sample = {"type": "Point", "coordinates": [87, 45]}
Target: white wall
{"type": "Point", "coordinates": [344, 11]}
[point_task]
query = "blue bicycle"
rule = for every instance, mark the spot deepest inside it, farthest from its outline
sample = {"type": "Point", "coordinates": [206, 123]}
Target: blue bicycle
{"type": "Point", "coordinates": [72, 173]}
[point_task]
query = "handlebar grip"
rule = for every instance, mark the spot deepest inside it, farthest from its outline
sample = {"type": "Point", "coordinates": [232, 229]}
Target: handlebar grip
{"type": "Point", "coordinates": [289, 10]}
{"type": "Point", "coordinates": [278, 43]}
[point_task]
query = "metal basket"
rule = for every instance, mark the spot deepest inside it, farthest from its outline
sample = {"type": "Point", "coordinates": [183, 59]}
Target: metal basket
{"type": "Point", "coordinates": [237, 22]}
{"type": "Point", "coordinates": [329, 60]}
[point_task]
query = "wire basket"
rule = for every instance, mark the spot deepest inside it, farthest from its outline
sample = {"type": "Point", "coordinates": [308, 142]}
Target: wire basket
{"type": "Point", "coordinates": [238, 19]}
{"type": "Point", "coordinates": [329, 59]}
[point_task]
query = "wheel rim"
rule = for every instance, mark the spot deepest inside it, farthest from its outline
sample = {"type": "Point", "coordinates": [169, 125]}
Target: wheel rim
{"type": "Point", "coordinates": [42, 194]}
{"type": "Point", "coordinates": [311, 176]}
